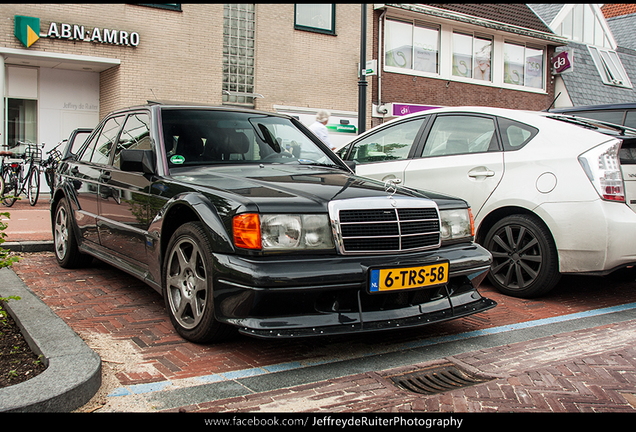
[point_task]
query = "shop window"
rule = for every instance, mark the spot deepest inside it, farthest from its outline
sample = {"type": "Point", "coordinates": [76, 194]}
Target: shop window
{"type": "Point", "coordinates": [609, 67]}
{"type": "Point", "coordinates": [319, 18]}
{"type": "Point", "coordinates": [22, 125]}
{"type": "Point", "coordinates": [411, 46]}
{"type": "Point", "coordinates": [523, 65]}
{"type": "Point", "coordinates": [472, 56]}
{"type": "Point", "coordinates": [238, 53]}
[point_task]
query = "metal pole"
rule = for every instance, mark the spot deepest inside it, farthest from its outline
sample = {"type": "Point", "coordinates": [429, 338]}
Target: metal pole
{"type": "Point", "coordinates": [362, 83]}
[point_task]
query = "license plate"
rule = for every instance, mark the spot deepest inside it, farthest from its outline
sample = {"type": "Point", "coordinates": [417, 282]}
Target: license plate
{"type": "Point", "coordinates": [390, 279]}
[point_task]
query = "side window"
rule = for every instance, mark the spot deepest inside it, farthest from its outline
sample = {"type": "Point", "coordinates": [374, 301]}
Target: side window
{"type": "Point", "coordinates": [460, 134]}
{"type": "Point", "coordinates": [134, 135]}
{"type": "Point", "coordinates": [88, 150]}
{"type": "Point", "coordinates": [514, 134]}
{"type": "Point", "coordinates": [98, 150]}
{"type": "Point", "coordinates": [615, 117]}
{"type": "Point", "coordinates": [630, 119]}
{"type": "Point", "coordinates": [391, 143]}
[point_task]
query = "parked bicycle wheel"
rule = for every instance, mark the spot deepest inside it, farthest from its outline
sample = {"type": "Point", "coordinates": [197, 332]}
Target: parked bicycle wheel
{"type": "Point", "coordinates": [10, 179]}
{"type": "Point", "coordinates": [33, 190]}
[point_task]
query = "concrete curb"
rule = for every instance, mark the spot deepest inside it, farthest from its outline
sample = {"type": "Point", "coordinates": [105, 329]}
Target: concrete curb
{"type": "Point", "coordinates": [29, 246]}
{"type": "Point", "coordinates": [73, 373]}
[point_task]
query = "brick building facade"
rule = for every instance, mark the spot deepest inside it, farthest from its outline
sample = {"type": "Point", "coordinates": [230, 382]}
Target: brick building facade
{"type": "Point", "coordinates": [274, 57]}
{"type": "Point", "coordinates": [495, 26]}
{"type": "Point", "coordinates": [178, 52]}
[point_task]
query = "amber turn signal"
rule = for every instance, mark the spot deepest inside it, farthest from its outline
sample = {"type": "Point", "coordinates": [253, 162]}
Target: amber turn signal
{"type": "Point", "coordinates": [247, 231]}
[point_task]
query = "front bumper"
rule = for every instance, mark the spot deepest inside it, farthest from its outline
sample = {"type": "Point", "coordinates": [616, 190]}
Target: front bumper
{"type": "Point", "coordinates": [305, 296]}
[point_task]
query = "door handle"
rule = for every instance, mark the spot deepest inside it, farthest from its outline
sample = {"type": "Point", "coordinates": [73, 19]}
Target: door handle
{"type": "Point", "coordinates": [105, 177]}
{"type": "Point", "coordinates": [481, 172]}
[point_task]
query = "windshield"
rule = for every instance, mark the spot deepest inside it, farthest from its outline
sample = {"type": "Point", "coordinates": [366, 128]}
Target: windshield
{"type": "Point", "coordinates": [211, 137]}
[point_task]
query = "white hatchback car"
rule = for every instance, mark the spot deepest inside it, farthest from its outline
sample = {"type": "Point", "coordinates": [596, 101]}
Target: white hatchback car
{"type": "Point", "coordinates": [549, 193]}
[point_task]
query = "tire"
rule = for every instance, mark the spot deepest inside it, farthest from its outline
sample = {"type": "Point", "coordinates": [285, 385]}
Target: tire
{"type": "Point", "coordinates": [67, 253]}
{"type": "Point", "coordinates": [188, 286]}
{"type": "Point", "coordinates": [33, 187]}
{"type": "Point", "coordinates": [525, 259]}
{"type": "Point", "coordinates": [10, 186]}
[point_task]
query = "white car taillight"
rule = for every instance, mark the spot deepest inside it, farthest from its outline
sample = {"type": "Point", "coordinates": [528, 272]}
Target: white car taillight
{"type": "Point", "coordinates": [602, 166]}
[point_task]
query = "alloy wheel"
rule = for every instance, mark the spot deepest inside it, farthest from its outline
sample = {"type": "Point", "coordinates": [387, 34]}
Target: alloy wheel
{"type": "Point", "coordinates": [517, 256]}
{"type": "Point", "coordinates": [61, 233]}
{"type": "Point", "coordinates": [187, 283]}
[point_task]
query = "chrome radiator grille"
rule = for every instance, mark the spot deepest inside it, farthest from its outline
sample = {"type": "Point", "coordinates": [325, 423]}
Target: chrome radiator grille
{"type": "Point", "coordinates": [377, 226]}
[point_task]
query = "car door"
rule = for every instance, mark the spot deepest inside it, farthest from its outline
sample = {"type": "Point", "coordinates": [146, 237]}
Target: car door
{"type": "Point", "coordinates": [384, 154]}
{"type": "Point", "coordinates": [460, 156]}
{"type": "Point", "coordinates": [123, 196]}
{"type": "Point", "coordinates": [84, 175]}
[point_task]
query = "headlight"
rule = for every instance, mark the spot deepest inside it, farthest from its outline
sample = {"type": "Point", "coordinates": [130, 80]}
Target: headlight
{"type": "Point", "coordinates": [282, 232]}
{"type": "Point", "coordinates": [457, 224]}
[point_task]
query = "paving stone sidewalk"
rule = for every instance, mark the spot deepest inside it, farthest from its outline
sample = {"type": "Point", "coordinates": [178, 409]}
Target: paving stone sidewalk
{"type": "Point", "coordinates": [587, 371]}
{"type": "Point", "coordinates": [591, 369]}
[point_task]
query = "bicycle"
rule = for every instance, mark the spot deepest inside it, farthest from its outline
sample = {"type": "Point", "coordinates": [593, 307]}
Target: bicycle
{"type": "Point", "coordinates": [49, 165]}
{"type": "Point", "coordinates": [21, 176]}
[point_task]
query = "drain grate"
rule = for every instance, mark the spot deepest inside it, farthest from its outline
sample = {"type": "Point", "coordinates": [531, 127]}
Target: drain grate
{"type": "Point", "coordinates": [435, 379]}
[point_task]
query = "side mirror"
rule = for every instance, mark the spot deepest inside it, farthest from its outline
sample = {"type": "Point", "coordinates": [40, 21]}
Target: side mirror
{"type": "Point", "coordinates": [136, 160]}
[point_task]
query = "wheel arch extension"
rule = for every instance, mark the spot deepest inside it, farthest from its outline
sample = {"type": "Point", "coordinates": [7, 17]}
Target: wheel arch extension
{"type": "Point", "coordinates": [58, 195]}
{"type": "Point", "coordinates": [192, 208]}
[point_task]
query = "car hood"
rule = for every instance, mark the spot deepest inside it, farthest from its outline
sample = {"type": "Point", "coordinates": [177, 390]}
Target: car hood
{"type": "Point", "coordinates": [309, 188]}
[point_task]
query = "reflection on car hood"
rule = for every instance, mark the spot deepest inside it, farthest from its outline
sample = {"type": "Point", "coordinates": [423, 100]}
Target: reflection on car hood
{"type": "Point", "coordinates": [307, 186]}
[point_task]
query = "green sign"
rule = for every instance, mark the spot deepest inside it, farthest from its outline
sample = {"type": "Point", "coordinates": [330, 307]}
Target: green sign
{"type": "Point", "coordinates": [27, 29]}
{"type": "Point", "coordinates": [348, 128]}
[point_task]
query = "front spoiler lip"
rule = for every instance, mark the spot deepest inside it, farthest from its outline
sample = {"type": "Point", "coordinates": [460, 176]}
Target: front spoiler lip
{"type": "Point", "coordinates": [481, 305]}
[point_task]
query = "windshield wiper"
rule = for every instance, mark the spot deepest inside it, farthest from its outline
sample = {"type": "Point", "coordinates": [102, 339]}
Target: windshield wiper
{"type": "Point", "coordinates": [594, 124]}
{"type": "Point", "coordinates": [319, 164]}
{"type": "Point", "coordinates": [573, 120]}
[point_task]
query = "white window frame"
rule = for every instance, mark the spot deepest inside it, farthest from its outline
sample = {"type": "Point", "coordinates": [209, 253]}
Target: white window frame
{"type": "Point", "coordinates": [526, 47]}
{"type": "Point", "coordinates": [411, 70]}
{"type": "Point", "coordinates": [474, 62]}
{"type": "Point", "coordinates": [609, 67]}
{"type": "Point", "coordinates": [445, 55]}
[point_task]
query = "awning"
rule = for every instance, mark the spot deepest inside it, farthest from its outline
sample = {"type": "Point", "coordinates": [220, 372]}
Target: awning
{"type": "Point", "coordinates": [57, 60]}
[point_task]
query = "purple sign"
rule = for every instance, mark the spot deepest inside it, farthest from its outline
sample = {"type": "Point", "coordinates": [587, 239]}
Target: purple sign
{"type": "Point", "coordinates": [404, 109]}
{"type": "Point", "coordinates": [561, 62]}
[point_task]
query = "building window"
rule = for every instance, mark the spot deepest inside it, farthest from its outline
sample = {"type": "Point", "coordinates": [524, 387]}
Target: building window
{"type": "Point", "coordinates": [319, 18]}
{"type": "Point", "coordinates": [523, 65]}
{"type": "Point", "coordinates": [472, 56]}
{"type": "Point", "coordinates": [170, 6]}
{"type": "Point", "coordinates": [238, 53]}
{"type": "Point", "coordinates": [409, 46]}
{"type": "Point", "coordinates": [609, 67]}
{"type": "Point", "coordinates": [22, 125]}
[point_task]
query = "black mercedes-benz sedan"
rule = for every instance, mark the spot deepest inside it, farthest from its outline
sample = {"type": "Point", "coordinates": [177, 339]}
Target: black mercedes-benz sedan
{"type": "Point", "coordinates": [245, 220]}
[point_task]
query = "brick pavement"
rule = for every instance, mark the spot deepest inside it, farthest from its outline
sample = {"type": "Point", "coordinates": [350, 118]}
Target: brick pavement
{"type": "Point", "coordinates": [101, 302]}
{"type": "Point", "coordinates": [586, 379]}
{"type": "Point", "coordinates": [589, 370]}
